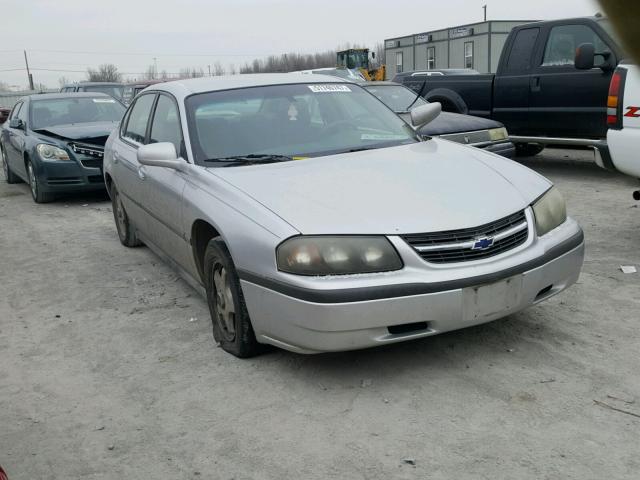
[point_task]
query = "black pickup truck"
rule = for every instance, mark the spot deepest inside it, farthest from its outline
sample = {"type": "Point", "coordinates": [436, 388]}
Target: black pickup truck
{"type": "Point", "coordinates": [550, 87]}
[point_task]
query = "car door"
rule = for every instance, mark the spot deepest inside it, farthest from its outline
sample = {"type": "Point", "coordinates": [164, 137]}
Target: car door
{"type": "Point", "coordinates": [565, 101]}
{"type": "Point", "coordinates": [163, 187]}
{"type": "Point", "coordinates": [126, 169]}
{"type": "Point", "coordinates": [511, 85]}
{"type": "Point", "coordinates": [16, 140]}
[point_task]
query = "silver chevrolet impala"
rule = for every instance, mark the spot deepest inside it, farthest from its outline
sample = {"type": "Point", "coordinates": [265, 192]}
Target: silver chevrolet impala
{"type": "Point", "coordinates": [313, 218]}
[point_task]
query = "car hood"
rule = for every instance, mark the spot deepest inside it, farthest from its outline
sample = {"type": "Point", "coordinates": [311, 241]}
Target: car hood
{"type": "Point", "coordinates": [96, 131]}
{"type": "Point", "coordinates": [429, 186]}
{"type": "Point", "coordinates": [448, 122]}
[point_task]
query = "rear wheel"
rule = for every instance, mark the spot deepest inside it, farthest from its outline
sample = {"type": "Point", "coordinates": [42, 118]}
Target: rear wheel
{"type": "Point", "coordinates": [9, 176]}
{"type": "Point", "coordinates": [231, 323]}
{"type": "Point", "coordinates": [126, 231]}
{"type": "Point", "coordinates": [528, 149]}
{"type": "Point", "coordinates": [36, 189]}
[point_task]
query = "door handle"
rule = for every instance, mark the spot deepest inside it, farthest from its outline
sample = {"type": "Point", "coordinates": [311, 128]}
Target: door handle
{"type": "Point", "coordinates": [142, 173]}
{"type": "Point", "coordinates": [535, 84]}
{"type": "Point", "coordinates": [116, 157]}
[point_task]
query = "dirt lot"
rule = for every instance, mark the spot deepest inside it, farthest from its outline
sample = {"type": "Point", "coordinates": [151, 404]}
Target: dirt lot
{"type": "Point", "coordinates": [108, 369]}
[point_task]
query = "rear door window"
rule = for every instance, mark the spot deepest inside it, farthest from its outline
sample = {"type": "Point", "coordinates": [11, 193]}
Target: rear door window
{"type": "Point", "coordinates": [521, 51]}
{"type": "Point", "coordinates": [136, 128]}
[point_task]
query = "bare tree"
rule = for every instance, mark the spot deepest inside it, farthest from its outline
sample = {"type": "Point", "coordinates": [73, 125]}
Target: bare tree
{"type": "Point", "coordinates": [218, 69]}
{"type": "Point", "coordinates": [150, 72]}
{"type": "Point", "coordinates": [4, 87]}
{"type": "Point", "coordinates": [164, 75]}
{"type": "Point", "coordinates": [62, 81]}
{"type": "Point", "coordinates": [192, 72]}
{"type": "Point", "coordinates": [106, 72]}
{"type": "Point", "coordinates": [289, 62]}
{"type": "Point", "coordinates": [232, 69]}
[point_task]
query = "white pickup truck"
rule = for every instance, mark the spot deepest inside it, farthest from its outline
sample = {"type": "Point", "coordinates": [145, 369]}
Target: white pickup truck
{"type": "Point", "coordinates": [623, 119]}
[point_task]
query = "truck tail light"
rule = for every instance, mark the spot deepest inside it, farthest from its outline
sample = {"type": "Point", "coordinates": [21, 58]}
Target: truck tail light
{"type": "Point", "coordinates": [615, 100]}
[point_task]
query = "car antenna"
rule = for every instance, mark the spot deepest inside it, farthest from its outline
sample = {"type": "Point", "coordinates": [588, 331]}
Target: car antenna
{"type": "Point", "coordinates": [424, 84]}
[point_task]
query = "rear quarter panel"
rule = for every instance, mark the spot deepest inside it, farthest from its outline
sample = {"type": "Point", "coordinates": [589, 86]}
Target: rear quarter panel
{"type": "Point", "coordinates": [474, 91]}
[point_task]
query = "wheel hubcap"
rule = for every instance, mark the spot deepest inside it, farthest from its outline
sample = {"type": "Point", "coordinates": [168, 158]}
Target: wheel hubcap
{"type": "Point", "coordinates": [224, 305]}
{"type": "Point", "coordinates": [32, 181]}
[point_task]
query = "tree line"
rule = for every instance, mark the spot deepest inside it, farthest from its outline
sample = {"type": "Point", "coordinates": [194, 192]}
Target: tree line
{"type": "Point", "coordinates": [286, 62]}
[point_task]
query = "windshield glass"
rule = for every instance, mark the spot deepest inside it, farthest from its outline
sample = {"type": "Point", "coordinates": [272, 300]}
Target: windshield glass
{"type": "Point", "coordinates": [63, 111]}
{"type": "Point", "coordinates": [396, 97]}
{"type": "Point", "coordinates": [295, 120]}
{"type": "Point", "coordinates": [115, 91]}
{"type": "Point", "coordinates": [345, 73]}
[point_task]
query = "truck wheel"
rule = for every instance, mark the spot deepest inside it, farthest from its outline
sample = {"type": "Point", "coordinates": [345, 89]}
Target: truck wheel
{"type": "Point", "coordinates": [231, 323]}
{"type": "Point", "coordinates": [528, 149]}
{"type": "Point", "coordinates": [9, 176]}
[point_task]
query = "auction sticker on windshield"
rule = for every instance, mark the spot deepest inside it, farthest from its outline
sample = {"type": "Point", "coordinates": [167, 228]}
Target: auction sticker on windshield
{"type": "Point", "coordinates": [328, 88]}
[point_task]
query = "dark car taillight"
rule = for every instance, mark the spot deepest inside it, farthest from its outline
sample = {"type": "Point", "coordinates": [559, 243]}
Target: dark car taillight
{"type": "Point", "coordinates": [615, 100]}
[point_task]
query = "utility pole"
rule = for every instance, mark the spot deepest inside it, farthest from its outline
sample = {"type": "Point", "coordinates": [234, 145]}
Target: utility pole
{"type": "Point", "coordinates": [484, 7]}
{"type": "Point", "coordinates": [29, 76]}
{"type": "Point", "coordinates": [209, 67]}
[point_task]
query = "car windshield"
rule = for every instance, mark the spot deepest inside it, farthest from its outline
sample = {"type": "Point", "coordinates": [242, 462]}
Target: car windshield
{"type": "Point", "coordinates": [63, 111]}
{"type": "Point", "coordinates": [115, 91]}
{"type": "Point", "coordinates": [353, 75]}
{"type": "Point", "coordinates": [298, 120]}
{"type": "Point", "coordinates": [396, 97]}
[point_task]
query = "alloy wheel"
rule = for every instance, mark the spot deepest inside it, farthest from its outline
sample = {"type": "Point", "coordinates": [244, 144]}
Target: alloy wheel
{"type": "Point", "coordinates": [224, 302]}
{"type": "Point", "coordinates": [33, 182]}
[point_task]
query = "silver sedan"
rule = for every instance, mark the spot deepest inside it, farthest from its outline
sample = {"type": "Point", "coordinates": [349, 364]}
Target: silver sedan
{"type": "Point", "coordinates": [313, 218]}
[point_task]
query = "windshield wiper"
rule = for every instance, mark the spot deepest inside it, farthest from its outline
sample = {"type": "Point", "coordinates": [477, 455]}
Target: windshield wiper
{"type": "Point", "coordinates": [251, 159]}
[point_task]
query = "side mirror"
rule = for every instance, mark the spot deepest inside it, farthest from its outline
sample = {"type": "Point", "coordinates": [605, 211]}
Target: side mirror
{"type": "Point", "coordinates": [162, 154]}
{"type": "Point", "coordinates": [424, 114]}
{"type": "Point", "coordinates": [16, 123]}
{"type": "Point", "coordinates": [585, 55]}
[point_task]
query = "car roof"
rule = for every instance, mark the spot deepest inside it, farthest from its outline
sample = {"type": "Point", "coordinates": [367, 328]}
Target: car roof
{"type": "Point", "coordinates": [184, 88]}
{"type": "Point", "coordinates": [57, 96]}
{"type": "Point", "coordinates": [384, 83]}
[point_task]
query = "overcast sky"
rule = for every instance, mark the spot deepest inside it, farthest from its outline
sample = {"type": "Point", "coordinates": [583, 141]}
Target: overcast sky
{"type": "Point", "coordinates": [75, 34]}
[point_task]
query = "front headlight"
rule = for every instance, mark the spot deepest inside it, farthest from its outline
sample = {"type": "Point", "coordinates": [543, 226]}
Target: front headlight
{"type": "Point", "coordinates": [49, 152]}
{"type": "Point", "coordinates": [550, 211]}
{"type": "Point", "coordinates": [498, 134]}
{"type": "Point", "coordinates": [337, 255]}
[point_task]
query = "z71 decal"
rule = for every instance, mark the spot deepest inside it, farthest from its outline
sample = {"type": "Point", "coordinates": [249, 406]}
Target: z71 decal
{"type": "Point", "coordinates": [633, 112]}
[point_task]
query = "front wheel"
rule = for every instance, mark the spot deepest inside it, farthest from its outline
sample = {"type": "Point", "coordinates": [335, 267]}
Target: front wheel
{"type": "Point", "coordinates": [36, 189]}
{"type": "Point", "coordinates": [528, 149]}
{"type": "Point", "coordinates": [231, 323]}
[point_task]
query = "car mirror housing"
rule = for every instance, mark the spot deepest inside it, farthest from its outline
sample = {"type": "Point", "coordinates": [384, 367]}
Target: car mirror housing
{"type": "Point", "coordinates": [585, 55]}
{"type": "Point", "coordinates": [424, 114]}
{"type": "Point", "coordinates": [162, 154]}
{"type": "Point", "coordinates": [16, 123]}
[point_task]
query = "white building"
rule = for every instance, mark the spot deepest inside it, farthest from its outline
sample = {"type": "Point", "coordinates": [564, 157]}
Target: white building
{"type": "Point", "coordinates": [477, 46]}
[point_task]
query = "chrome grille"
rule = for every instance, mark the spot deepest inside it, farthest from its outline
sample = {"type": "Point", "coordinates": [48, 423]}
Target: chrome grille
{"type": "Point", "coordinates": [469, 244]}
{"type": "Point", "coordinates": [89, 150]}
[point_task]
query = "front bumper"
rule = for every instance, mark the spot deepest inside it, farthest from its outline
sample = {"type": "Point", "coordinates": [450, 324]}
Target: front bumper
{"type": "Point", "coordinates": [313, 321]}
{"type": "Point", "coordinates": [68, 176]}
{"type": "Point", "coordinates": [506, 149]}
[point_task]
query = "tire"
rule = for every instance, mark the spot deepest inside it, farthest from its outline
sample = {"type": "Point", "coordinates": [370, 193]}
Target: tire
{"type": "Point", "coordinates": [9, 176]}
{"type": "Point", "coordinates": [126, 231]}
{"type": "Point", "coordinates": [232, 328]}
{"type": "Point", "coordinates": [36, 190]}
{"type": "Point", "coordinates": [528, 149]}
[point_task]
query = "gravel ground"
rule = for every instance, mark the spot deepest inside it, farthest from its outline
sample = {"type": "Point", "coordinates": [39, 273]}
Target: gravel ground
{"type": "Point", "coordinates": [108, 369]}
